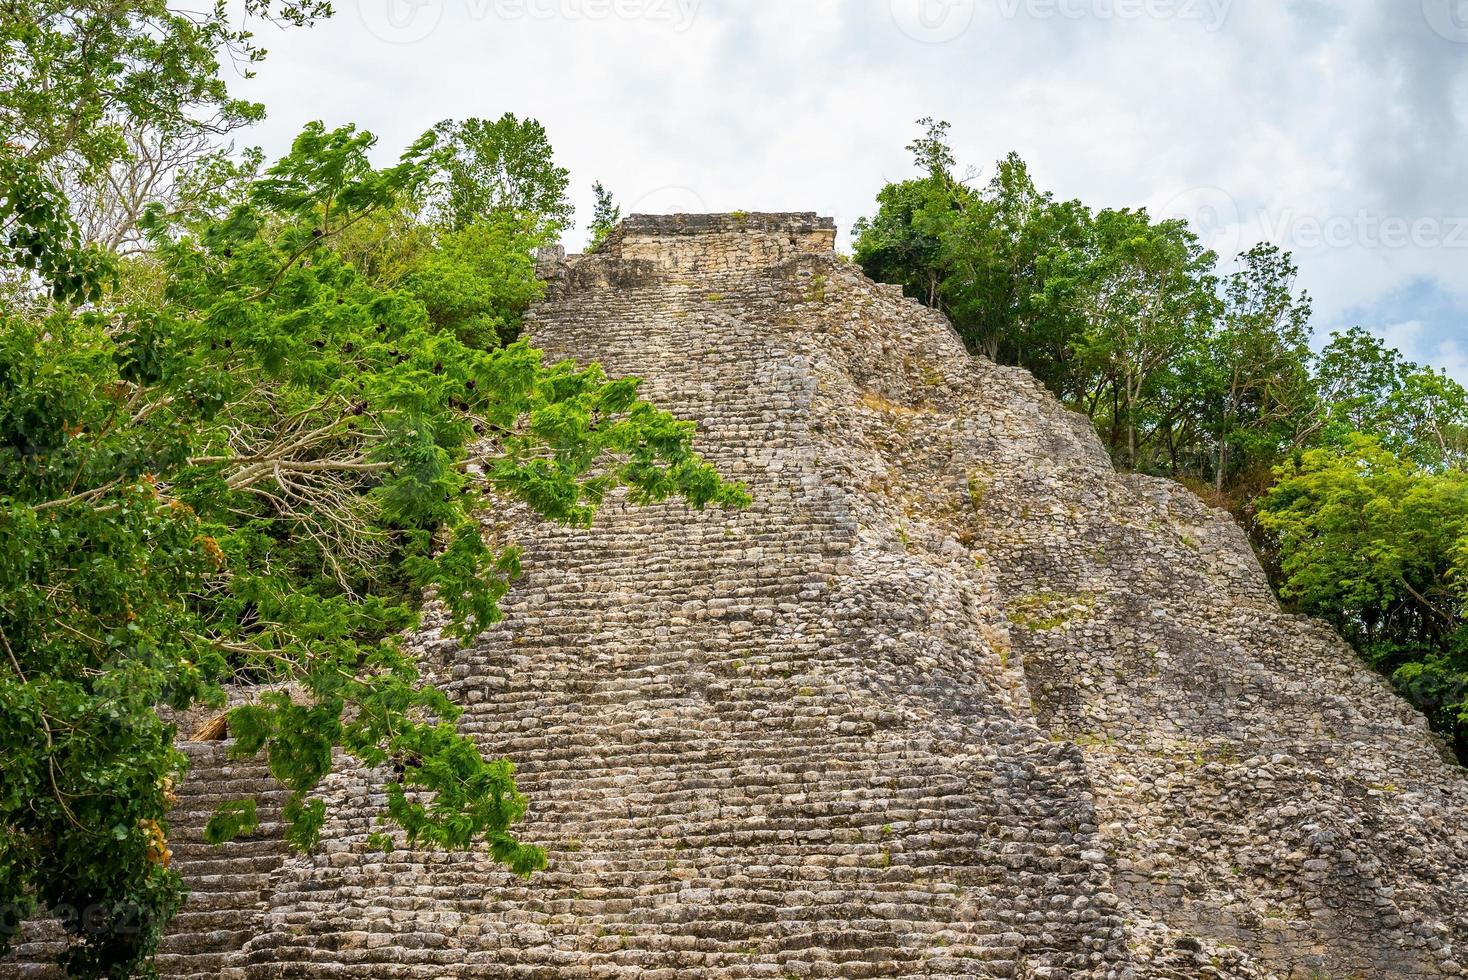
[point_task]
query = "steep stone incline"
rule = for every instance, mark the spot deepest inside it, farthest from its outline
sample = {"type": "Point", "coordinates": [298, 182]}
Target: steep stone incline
{"type": "Point", "coordinates": [769, 743]}
{"type": "Point", "coordinates": [952, 699]}
{"type": "Point", "coordinates": [1255, 784]}
{"type": "Point", "coordinates": [1257, 788]}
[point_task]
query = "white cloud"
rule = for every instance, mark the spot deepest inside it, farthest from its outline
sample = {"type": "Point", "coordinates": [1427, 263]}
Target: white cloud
{"type": "Point", "coordinates": [1406, 337]}
{"type": "Point", "coordinates": [1452, 357]}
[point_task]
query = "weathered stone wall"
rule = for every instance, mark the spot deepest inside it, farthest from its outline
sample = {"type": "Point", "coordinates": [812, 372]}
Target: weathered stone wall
{"type": "Point", "coordinates": [952, 699]}
{"type": "Point", "coordinates": [713, 243]}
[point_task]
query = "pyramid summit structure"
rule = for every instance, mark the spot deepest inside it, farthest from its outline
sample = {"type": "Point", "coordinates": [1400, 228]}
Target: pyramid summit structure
{"type": "Point", "coordinates": [953, 698]}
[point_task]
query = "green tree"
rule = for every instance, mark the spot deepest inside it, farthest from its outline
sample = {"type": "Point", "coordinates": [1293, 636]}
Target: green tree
{"type": "Point", "coordinates": [39, 240]}
{"type": "Point", "coordinates": [1366, 386]}
{"type": "Point", "coordinates": [77, 74]}
{"type": "Point", "coordinates": [187, 175]}
{"type": "Point", "coordinates": [504, 167]}
{"type": "Point", "coordinates": [1358, 376]}
{"type": "Point", "coordinates": [905, 242]}
{"type": "Point", "coordinates": [999, 254]}
{"type": "Point", "coordinates": [256, 480]}
{"type": "Point", "coordinates": [1379, 546]}
{"type": "Point", "coordinates": [1429, 414]}
{"type": "Point", "coordinates": [118, 102]}
{"type": "Point", "coordinates": [605, 215]}
{"type": "Point", "coordinates": [478, 280]}
{"type": "Point", "coordinates": [1148, 298]}
{"type": "Point", "coordinates": [933, 151]}
{"type": "Point", "coordinates": [1260, 356]}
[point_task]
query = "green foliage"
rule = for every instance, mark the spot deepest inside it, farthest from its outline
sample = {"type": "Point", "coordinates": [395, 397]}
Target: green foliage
{"type": "Point", "coordinates": [389, 244]}
{"type": "Point", "coordinates": [604, 216]}
{"type": "Point", "coordinates": [1259, 397]}
{"type": "Point", "coordinates": [486, 169]}
{"type": "Point", "coordinates": [1147, 295]}
{"type": "Point", "coordinates": [255, 477]}
{"type": "Point", "coordinates": [932, 151]}
{"type": "Point", "coordinates": [78, 74]}
{"type": "Point", "coordinates": [90, 88]}
{"type": "Point", "coordinates": [231, 821]}
{"type": "Point", "coordinates": [1359, 375]}
{"type": "Point", "coordinates": [1125, 318]}
{"type": "Point", "coordinates": [37, 234]}
{"type": "Point", "coordinates": [476, 281]}
{"type": "Point", "coordinates": [1379, 546]}
{"type": "Point", "coordinates": [906, 241]}
{"type": "Point", "coordinates": [1005, 255]}
{"type": "Point", "coordinates": [1369, 387]}
{"type": "Point", "coordinates": [1332, 557]}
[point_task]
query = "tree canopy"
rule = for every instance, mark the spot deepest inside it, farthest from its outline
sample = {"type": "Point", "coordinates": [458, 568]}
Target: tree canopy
{"type": "Point", "coordinates": [504, 167]}
{"type": "Point", "coordinates": [1378, 545]}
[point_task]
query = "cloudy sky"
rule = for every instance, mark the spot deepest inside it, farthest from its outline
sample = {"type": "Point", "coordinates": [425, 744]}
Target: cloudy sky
{"type": "Point", "coordinates": [1333, 127]}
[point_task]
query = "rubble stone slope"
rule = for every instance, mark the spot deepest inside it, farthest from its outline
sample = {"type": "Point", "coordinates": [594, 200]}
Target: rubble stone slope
{"type": "Point", "coordinates": [951, 699]}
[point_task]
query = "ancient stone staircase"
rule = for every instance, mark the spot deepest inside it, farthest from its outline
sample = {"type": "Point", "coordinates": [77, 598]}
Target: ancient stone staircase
{"type": "Point", "coordinates": [951, 699]}
{"type": "Point", "coordinates": [229, 884]}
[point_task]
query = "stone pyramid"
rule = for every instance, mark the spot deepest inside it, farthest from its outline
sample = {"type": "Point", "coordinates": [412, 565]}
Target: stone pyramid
{"type": "Point", "coordinates": [952, 699]}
